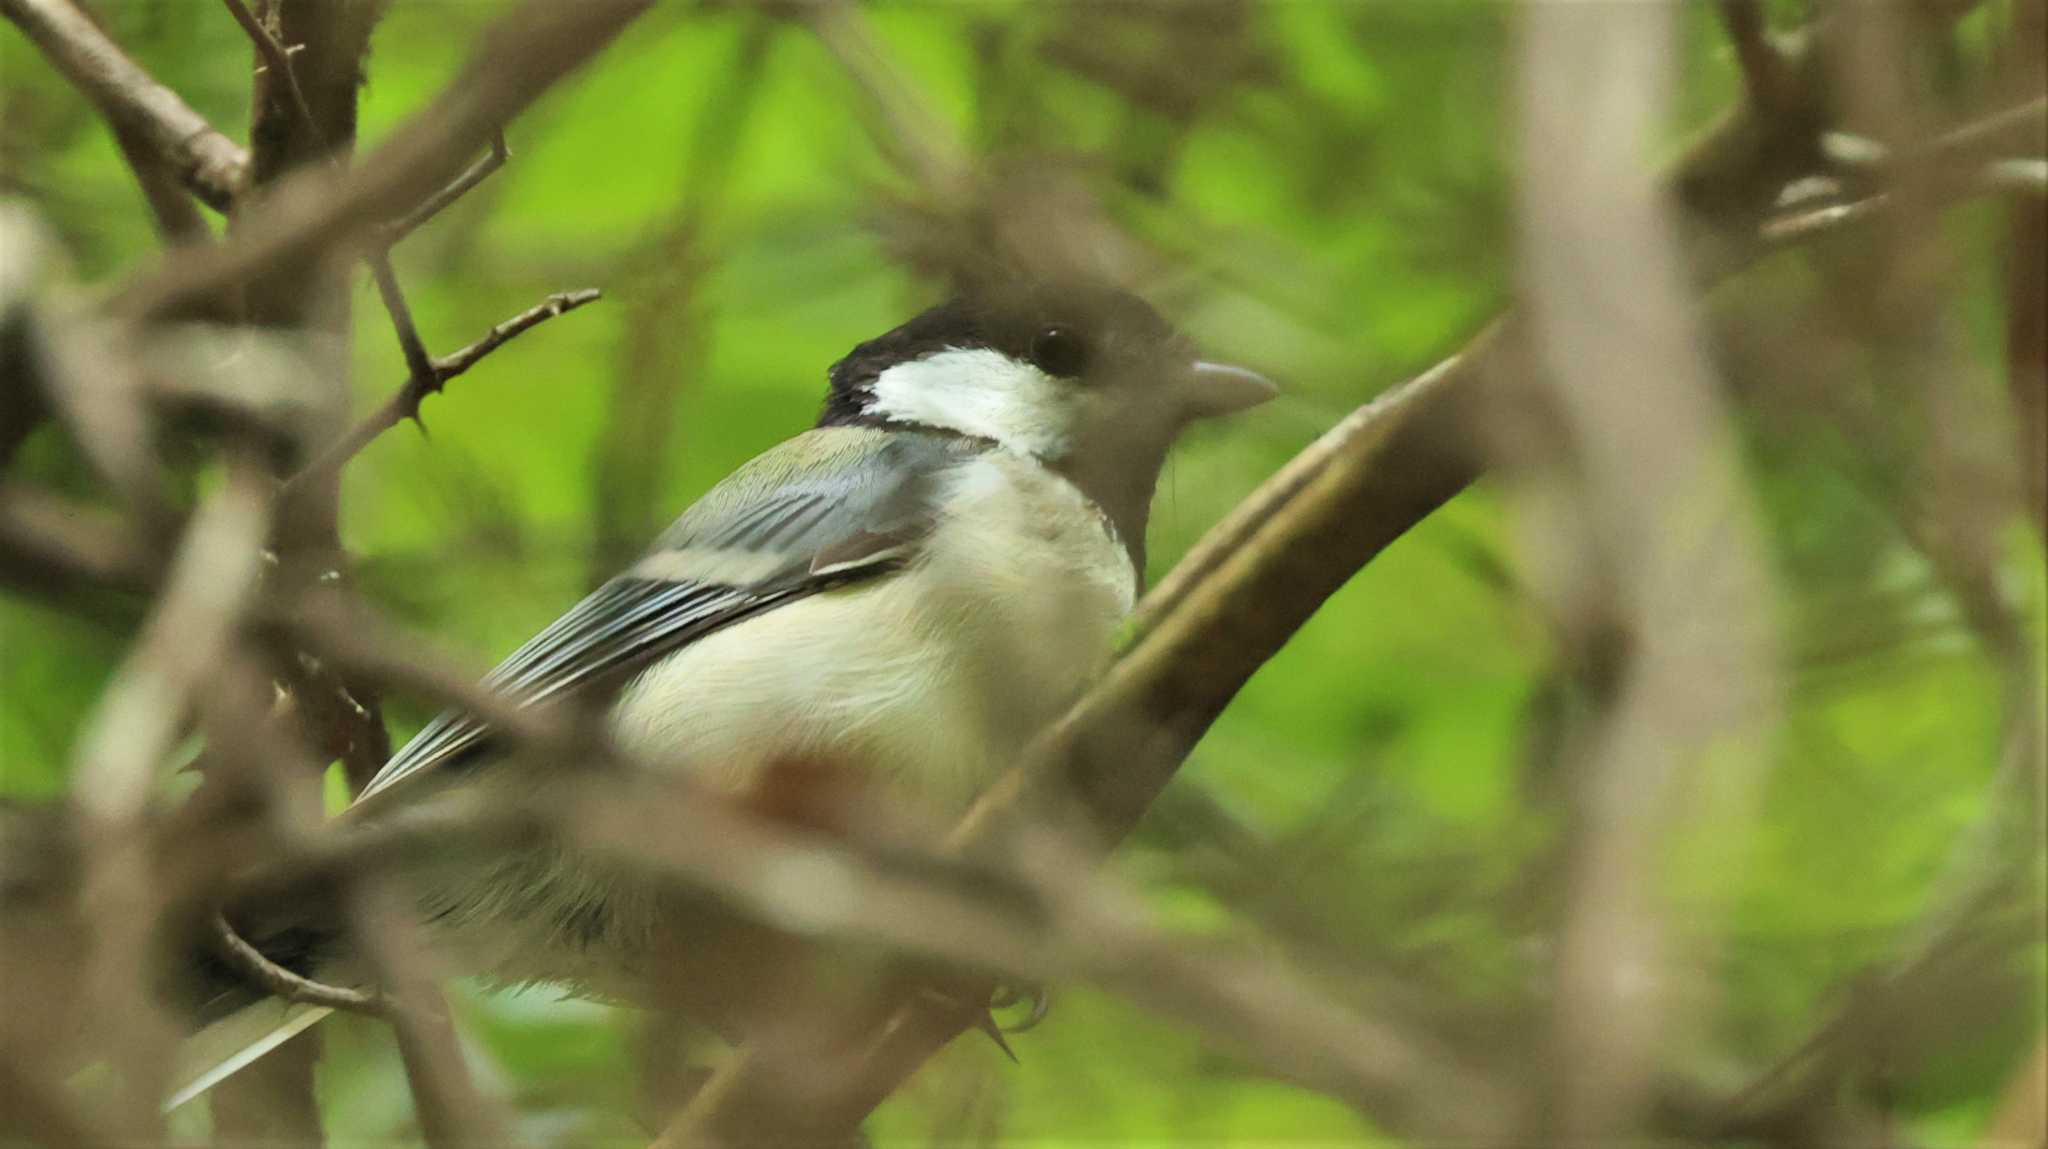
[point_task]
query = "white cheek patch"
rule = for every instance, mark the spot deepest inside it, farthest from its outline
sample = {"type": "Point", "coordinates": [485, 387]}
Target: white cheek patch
{"type": "Point", "coordinates": [979, 392]}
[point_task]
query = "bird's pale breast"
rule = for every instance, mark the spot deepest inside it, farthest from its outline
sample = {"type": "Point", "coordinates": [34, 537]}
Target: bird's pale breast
{"type": "Point", "coordinates": [932, 676]}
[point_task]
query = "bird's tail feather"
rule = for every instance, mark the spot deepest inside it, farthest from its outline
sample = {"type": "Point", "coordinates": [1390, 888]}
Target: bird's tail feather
{"type": "Point", "coordinates": [231, 1044]}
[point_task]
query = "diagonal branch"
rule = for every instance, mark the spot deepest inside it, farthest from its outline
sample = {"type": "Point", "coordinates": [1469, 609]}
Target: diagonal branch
{"type": "Point", "coordinates": [209, 164]}
{"type": "Point", "coordinates": [460, 186]}
{"type": "Point", "coordinates": [417, 361]}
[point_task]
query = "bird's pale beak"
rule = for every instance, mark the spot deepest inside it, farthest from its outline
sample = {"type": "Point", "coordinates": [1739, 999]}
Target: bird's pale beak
{"type": "Point", "coordinates": [1219, 389]}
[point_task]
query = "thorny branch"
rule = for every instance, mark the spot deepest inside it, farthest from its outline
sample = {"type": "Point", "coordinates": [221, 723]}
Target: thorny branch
{"type": "Point", "coordinates": [277, 59]}
{"type": "Point", "coordinates": [427, 380]}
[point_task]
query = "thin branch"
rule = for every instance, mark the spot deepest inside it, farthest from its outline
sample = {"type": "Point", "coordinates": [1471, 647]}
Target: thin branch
{"type": "Point", "coordinates": [560, 303]}
{"type": "Point", "coordinates": [2027, 348]}
{"type": "Point", "coordinates": [460, 186]}
{"type": "Point", "coordinates": [212, 166]}
{"type": "Point", "coordinates": [1596, 220]}
{"type": "Point", "coordinates": [280, 982]}
{"type": "Point", "coordinates": [452, 1112]}
{"type": "Point", "coordinates": [417, 361]}
{"type": "Point", "coordinates": [405, 403]}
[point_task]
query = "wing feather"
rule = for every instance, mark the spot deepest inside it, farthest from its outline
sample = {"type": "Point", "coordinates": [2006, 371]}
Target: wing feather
{"type": "Point", "coordinates": [830, 506]}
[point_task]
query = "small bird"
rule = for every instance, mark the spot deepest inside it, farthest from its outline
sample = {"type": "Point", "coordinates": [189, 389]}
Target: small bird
{"type": "Point", "coordinates": [907, 591]}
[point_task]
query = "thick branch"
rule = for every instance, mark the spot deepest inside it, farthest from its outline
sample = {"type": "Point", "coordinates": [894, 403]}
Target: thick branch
{"type": "Point", "coordinates": [277, 62]}
{"type": "Point", "coordinates": [208, 163]}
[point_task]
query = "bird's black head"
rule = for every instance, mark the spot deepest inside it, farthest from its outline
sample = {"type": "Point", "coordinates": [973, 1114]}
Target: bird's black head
{"type": "Point", "coordinates": [1036, 369]}
{"type": "Point", "coordinates": [1089, 380]}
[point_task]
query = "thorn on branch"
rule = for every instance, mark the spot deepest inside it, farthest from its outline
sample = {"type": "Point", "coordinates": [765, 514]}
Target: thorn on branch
{"type": "Point", "coordinates": [405, 404]}
{"type": "Point", "coordinates": [277, 60]}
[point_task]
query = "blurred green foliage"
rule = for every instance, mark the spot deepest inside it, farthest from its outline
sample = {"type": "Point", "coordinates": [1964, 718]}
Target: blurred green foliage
{"type": "Point", "coordinates": [1342, 210]}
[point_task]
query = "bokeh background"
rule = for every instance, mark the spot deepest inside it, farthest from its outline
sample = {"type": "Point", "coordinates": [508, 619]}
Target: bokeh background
{"type": "Point", "coordinates": [1327, 191]}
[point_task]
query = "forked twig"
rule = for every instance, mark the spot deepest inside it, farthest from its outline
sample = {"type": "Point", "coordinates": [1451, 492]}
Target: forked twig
{"type": "Point", "coordinates": [405, 403]}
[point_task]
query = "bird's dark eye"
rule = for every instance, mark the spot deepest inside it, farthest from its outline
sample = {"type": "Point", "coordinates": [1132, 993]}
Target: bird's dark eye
{"type": "Point", "coordinates": [1060, 351]}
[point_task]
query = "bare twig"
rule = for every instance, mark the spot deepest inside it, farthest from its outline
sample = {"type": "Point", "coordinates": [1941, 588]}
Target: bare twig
{"type": "Point", "coordinates": [2021, 129]}
{"type": "Point", "coordinates": [208, 163]}
{"type": "Point", "coordinates": [460, 186]}
{"type": "Point", "coordinates": [405, 404]}
{"type": "Point", "coordinates": [417, 361]}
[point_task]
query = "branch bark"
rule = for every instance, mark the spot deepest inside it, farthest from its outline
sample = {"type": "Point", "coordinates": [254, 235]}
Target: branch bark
{"type": "Point", "coordinates": [212, 166]}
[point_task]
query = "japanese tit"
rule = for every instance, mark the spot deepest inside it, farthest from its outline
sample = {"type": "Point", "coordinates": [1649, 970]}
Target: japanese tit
{"type": "Point", "coordinates": [908, 591]}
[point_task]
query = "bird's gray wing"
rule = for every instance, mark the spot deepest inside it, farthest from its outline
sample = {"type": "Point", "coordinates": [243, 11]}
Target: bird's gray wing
{"type": "Point", "coordinates": [827, 507]}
